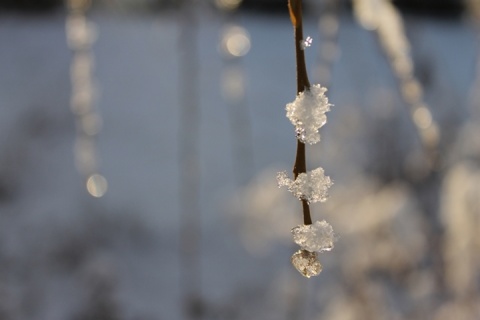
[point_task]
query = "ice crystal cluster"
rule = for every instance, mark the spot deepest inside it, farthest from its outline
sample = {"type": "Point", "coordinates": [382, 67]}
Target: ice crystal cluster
{"type": "Point", "coordinates": [311, 186]}
{"type": "Point", "coordinates": [307, 113]}
{"type": "Point", "coordinates": [317, 237]}
{"type": "Point", "coordinates": [306, 43]}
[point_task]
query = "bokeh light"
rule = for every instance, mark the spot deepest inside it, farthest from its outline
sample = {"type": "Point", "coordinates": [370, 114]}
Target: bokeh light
{"type": "Point", "coordinates": [235, 41]}
{"type": "Point", "coordinates": [412, 91]}
{"type": "Point", "coordinates": [97, 185]}
{"type": "Point", "coordinates": [328, 25]}
{"type": "Point", "coordinates": [228, 4]}
{"type": "Point", "coordinates": [422, 117]}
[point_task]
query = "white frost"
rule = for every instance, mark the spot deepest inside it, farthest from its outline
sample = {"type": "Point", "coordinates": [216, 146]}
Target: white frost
{"type": "Point", "coordinates": [307, 113]}
{"type": "Point", "coordinates": [306, 43]}
{"type": "Point", "coordinates": [315, 237]}
{"type": "Point", "coordinates": [311, 186]}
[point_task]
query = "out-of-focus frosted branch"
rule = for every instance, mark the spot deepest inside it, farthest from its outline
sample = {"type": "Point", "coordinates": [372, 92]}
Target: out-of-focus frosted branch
{"type": "Point", "coordinates": [382, 17]}
{"type": "Point", "coordinates": [328, 27]}
{"type": "Point", "coordinates": [81, 34]}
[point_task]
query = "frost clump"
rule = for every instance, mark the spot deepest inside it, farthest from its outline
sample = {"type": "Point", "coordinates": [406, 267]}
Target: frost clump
{"type": "Point", "coordinates": [311, 186]}
{"type": "Point", "coordinates": [306, 263]}
{"type": "Point", "coordinates": [317, 237]}
{"type": "Point", "coordinates": [306, 43]}
{"type": "Point", "coordinates": [307, 113]}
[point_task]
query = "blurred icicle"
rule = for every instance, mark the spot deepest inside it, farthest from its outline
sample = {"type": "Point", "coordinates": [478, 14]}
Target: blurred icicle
{"type": "Point", "coordinates": [81, 34]}
{"type": "Point", "coordinates": [307, 113]}
{"type": "Point", "coordinates": [311, 186]}
{"type": "Point", "coordinates": [382, 17]}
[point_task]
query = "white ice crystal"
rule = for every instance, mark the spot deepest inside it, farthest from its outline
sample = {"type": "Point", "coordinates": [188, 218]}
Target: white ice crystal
{"type": "Point", "coordinates": [306, 263]}
{"type": "Point", "coordinates": [306, 43]}
{"type": "Point", "coordinates": [307, 113]}
{"type": "Point", "coordinates": [315, 237]}
{"type": "Point", "coordinates": [311, 186]}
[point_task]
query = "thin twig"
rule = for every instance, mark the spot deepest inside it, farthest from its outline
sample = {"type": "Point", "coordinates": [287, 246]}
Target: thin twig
{"type": "Point", "coordinates": [300, 166]}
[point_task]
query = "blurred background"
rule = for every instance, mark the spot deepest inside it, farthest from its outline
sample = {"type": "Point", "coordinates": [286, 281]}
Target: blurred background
{"type": "Point", "coordinates": [140, 140]}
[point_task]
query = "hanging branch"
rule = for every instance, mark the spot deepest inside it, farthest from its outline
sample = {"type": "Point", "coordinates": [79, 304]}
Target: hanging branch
{"type": "Point", "coordinates": [81, 35]}
{"type": "Point", "coordinates": [307, 114]}
{"type": "Point", "coordinates": [300, 166]}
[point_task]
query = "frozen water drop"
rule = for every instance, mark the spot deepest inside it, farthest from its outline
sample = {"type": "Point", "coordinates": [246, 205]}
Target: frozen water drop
{"type": "Point", "coordinates": [306, 263]}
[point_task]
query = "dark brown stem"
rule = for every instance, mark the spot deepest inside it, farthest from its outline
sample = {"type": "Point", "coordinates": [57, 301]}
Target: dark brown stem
{"type": "Point", "coordinates": [300, 166]}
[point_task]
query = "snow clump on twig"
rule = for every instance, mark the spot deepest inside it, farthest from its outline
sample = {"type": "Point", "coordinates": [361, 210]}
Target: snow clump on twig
{"type": "Point", "coordinates": [317, 237]}
{"type": "Point", "coordinates": [311, 186]}
{"type": "Point", "coordinates": [307, 113]}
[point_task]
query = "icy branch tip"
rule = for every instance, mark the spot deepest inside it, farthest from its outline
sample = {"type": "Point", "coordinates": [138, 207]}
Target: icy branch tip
{"type": "Point", "coordinates": [311, 186]}
{"type": "Point", "coordinates": [307, 113]}
{"type": "Point", "coordinates": [316, 237]}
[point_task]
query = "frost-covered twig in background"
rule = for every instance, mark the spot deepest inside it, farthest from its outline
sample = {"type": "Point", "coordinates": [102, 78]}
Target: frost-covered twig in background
{"type": "Point", "coordinates": [81, 35]}
{"type": "Point", "coordinates": [307, 114]}
{"type": "Point", "coordinates": [384, 18]}
{"type": "Point", "coordinates": [328, 27]}
{"type": "Point", "coordinates": [234, 45]}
